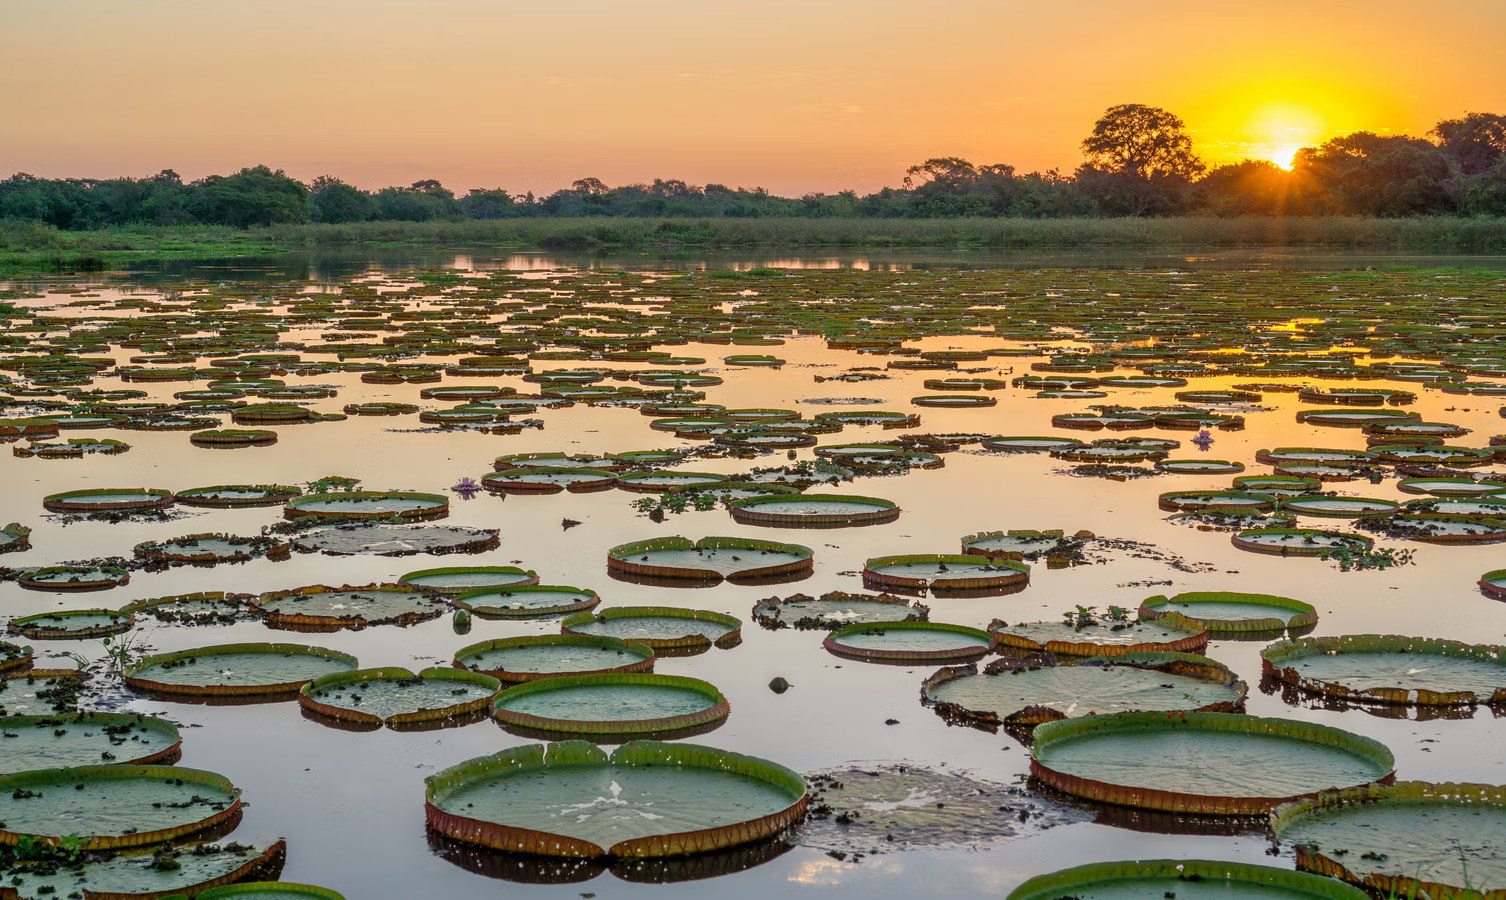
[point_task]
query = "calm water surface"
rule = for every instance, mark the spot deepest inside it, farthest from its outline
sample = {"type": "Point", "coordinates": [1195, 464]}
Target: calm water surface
{"type": "Point", "coordinates": [351, 804]}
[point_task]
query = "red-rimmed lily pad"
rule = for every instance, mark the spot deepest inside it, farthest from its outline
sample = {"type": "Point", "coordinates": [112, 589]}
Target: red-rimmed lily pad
{"type": "Point", "coordinates": [382, 539]}
{"type": "Point", "coordinates": [1390, 669]}
{"type": "Point", "coordinates": [400, 698]}
{"type": "Point", "coordinates": [1409, 839]}
{"type": "Point", "coordinates": [71, 624]}
{"type": "Point", "coordinates": [944, 573]}
{"type": "Point", "coordinates": [235, 670]}
{"type": "Point", "coordinates": [1044, 688]}
{"type": "Point", "coordinates": [663, 628]}
{"type": "Point", "coordinates": [835, 609]}
{"type": "Point", "coordinates": [710, 559]}
{"type": "Point", "coordinates": [111, 807]}
{"type": "Point", "coordinates": [1207, 763]}
{"type": "Point", "coordinates": [231, 496]}
{"type": "Point", "coordinates": [408, 506]}
{"type": "Point", "coordinates": [527, 601]}
{"type": "Point", "coordinates": [85, 738]}
{"type": "Point", "coordinates": [1300, 541]}
{"type": "Point", "coordinates": [73, 579]}
{"type": "Point", "coordinates": [909, 641]}
{"type": "Point", "coordinates": [813, 511]}
{"type": "Point", "coordinates": [611, 708]}
{"type": "Point", "coordinates": [321, 608]}
{"type": "Point", "coordinates": [1182, 878]}
{"type": "Point", "coordinates": [119, 500]}
{"type": "Point", "coordinates": [1233, 613]}
{"type": "Point", "coordinates": [668, 800]}
{"type": "Point", "coordinates": [155, 873]}
{"type": "Point", "coordinates": [1102, 637]}
{"type": "Point", "coordinates": [535, 656]}
{"type": "Point", "coordinates": [1493, 584]}
{"type": "Point", "coordinates": [466, 579]}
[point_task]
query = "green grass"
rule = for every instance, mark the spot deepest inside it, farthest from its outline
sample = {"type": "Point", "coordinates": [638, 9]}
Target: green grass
{"type": "Point", "coordinates": [29, 247]}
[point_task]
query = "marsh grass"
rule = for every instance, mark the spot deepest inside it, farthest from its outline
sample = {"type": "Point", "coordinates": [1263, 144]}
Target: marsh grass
{"type": "Point", "coordinates": [31, 247]}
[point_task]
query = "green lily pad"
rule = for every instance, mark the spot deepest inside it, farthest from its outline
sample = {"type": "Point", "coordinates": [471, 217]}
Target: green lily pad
{"type": "Point", "coordinates": [82, 739]}
{"type": "Point", "coordinates": [234, 670]}
{"type": "Point", "coordinates": [537, 656]}
{"type": "Point", "coordinates": [611, 707]}
{"type": "Point", "coordinates": [396, 696]}
{"type": "Point", "coordinates": [1181, 878]}
{"type": "Point", "coordinates": [110, 807]}
{"type": "Point", "coordinates": [667, 799]}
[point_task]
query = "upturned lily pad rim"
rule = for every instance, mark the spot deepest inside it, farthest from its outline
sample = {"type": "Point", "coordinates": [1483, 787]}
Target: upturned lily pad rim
{"type": "Point", "coordinates": [84, 774]}
{"type": "Point", "coordinates": [72, 501]}
{"type": "Point", "coordinates": [438, 505]}
{"type": "Point", "coordinates": [273, 495]}
{"type": "Point", "coordinates": [730, 638]}
{"type": "Point", "coordinates": [466, 601]}
{"type": "Point", "coordinates": [1493, 584]}
{"type": "Point", "coordinates": [641, 656]}
{"type": "Point", "coordinates": [532, 578]}
{"type": "Point", "coordinates": [295, 619]}
{"type": "Point", "coordinates": [531, 758]}
{"type": "Point", "coordinates": [1187, 665]}
{"type": "Point", "coordinates": [136, 606]}
{"type": "Point", "coordinates": [308, 701]}
{"type": "Point", "coordinates": [110, 576]}
{"type": "Point", "coordinates": [165, 755]}
{"type": "Point", "coordinates": [1194, 641]}
{"type": "Point", "coordinates": [256, 888]}
{"type": "Point", "coordinates": [133, 680]}
{"type": "Point", "coordinates": [1411, 793]}
{"type": "Point", "coordinates": [24, 625]}
{"type": "Point", "coordinates": [833, 642]}
{"type": "Point", "coordinates": [1306, 613]}
{"type": "Point", "coordinates": [997, 573]}
{"type": "Point", "coordinates": [716, 711]}
{"type": "Point", "coordinates": [513, 481]}
{"type": "Point", "coordinates": [745, 511]}
{"type": "Point", "coordinates": [1243, 541]}
{"type": "Point", "coordinates": [617, 558]}
{"type": "Point", "coordinates": [1275, 663]}
{"type": "Point", "coordinates": [266, 861]}
{"type": "Point", "coordinates": [1174, 801]}
{"type": "Point", "coordinates": [1173, 501]}
{"type": "Point", "coordinates": [1065, 882]}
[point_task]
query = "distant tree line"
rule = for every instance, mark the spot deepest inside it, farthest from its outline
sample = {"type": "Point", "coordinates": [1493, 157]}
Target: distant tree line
{"type": "Point", "coordinates": [1139, 162]}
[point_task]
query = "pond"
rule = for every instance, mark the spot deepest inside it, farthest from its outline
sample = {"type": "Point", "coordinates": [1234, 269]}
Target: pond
{"type": "Point", "coordinates": [350, 804]}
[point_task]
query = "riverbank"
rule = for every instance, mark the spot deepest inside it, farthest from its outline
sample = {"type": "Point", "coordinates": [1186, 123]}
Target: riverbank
{"type": "Point", "coordinates": [34, 248]}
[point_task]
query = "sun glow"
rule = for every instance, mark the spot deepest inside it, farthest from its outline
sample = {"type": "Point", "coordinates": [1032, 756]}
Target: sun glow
{"type": "Point", "coordinates": [1277, 131]}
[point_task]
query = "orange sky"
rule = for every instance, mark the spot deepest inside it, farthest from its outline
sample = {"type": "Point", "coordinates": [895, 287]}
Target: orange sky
{"type": "Point", "coordinates": [793, 95]}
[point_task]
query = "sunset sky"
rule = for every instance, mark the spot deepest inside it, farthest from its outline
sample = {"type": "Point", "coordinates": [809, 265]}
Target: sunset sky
{"type": "Point", "coordinates": [792, 96]}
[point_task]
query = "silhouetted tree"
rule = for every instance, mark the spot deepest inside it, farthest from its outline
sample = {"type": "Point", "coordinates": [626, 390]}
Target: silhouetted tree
{"type": "Point", "coordinates": [1139, 161]}
{"type": "Point", "coordinates": [1254, 187]}
{"type": "Point", "coordinates": [1475, 142]}
{"type": "Point", "coordinates": [1373, 175]}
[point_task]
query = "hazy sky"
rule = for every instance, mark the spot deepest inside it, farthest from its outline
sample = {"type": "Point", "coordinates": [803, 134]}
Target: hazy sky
{"type": "Point", "coordinates": [793, 95]}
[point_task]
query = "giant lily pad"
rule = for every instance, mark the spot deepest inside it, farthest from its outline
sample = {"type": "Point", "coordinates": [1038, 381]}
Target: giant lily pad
{"type": "Point", "coordinates": [1232, 614]}
{"type": "Point", "coordinates": [664, 628]}
{"type": "Point", "coordinates": [1299, 541]}
{"type": "Point", "coordinates": [527, 601]}
{"type": "Point", "coordinates": [397, 697]}
{"type": "Point", "coordinates": [72, 624]}
{"type": "Point", "coordinates": [464, 579]}
{"type": "Point", "coordinates": [1410, 839]}
{"type": "Point", "coordinates": [1389, 668]}
{"type": "Point", "coordinates": [86, 738]}
{"type": "Point", "coordinates": [110, 807]}
{"type": "Point", "coordinates": [910, 642]}
{"type": "Point", "coordinates": [611, 707]}
{"type": "Point", "coordinates": [238, 495]}
{"type": "Point", "coordinates": [153, 872]}
{"type": "Point", "coordinates": [1101, 638]}
{"type": "Point", "coordinates": [321, 608]}
{"type": "Point", "coordinates": [535, 656]}
{"type": "Point", "coordinates": [710, 559]}
{"type": "Point", "coordinates": [405, 505]}
{"type": "Point", "coordinates": [667, 800]}
{"type": "Point", "coordinates": [1493, 584]}
{"type": "Point", "coordinates": [363, 538]}
{"type": "Point", "coordinates": [271, 890]}
{"type": "Point", "coordinates": [235, 670]}
{"type": "Point", "coordinates": [1181, 878]}
{"type": "Point", "coordinates": [946, 573]}
{"type": "Point", "coordinates": [73, 578]}
{"type": "Point", "coordinates": [549, 480]}
{"type": "Point", "coordinates": [119, 500]}
{"type": "Point", "coordinates": [813, 511]}
{"type": "Point", "coordinates": [1205, 763]}
{"type": "Point", "coordinates": [1043, 689]}
{"type": "Point", "coordinates": [835, 609]}
{"type": "Point", "coordinates": [211, 548]}
{"type": "Point", "coordinates": [40, 692]}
